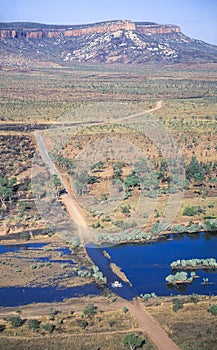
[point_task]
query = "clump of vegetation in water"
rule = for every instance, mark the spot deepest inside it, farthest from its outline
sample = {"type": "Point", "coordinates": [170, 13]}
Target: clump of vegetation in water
{"type": "Point", "coordinates": [98, 274]}
{"type": "Point", "coordinates": [95, 272]}
{"type": "Point", "coordinates": [180, 277]}
{"type": "Point", "coordinates": [194, 263]}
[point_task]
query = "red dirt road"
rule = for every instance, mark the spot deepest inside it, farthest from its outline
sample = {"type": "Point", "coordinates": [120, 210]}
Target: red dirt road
{"type": "Point", "coordinates": [150, 326]}
{"type": "Point", "coordinates": [146, 321]}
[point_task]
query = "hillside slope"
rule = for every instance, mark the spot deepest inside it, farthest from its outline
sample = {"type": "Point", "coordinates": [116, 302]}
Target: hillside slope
{"type": "Point", "coordinates": [115, 41]}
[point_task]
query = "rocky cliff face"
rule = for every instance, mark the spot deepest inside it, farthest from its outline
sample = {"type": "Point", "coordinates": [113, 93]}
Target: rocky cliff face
{"type": "Point", "coordinates": [110, 42]}
{"type": "Point", "coordinates": [50, 33]}
{"type": "Point", "coordinates": [157, 29]}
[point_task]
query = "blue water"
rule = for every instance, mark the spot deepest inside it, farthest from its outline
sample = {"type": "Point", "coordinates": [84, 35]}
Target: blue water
{"type": "Point", "coordinates": [31, 246]}
{"type": "Point", "coordinates": [58, 261]}
{"type": "Point", "coordinates": [18, 247]}
{"type": "Point", "coordinates": [64, 251]}
{"type": "Point", "coordinates": [147, 265]}
{"type": "Point", "coordinates": [96, 254]}
{"type": "Point", "coordinates": [37, 246]}
{"type": "Point", "coordinates": [15, 296]}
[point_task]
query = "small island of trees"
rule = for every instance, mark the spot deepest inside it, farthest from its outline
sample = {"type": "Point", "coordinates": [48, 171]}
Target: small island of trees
{"type": "Point", "coordinates": [181, 277]}
{"type": "Point", "coordinates": [194, 264]}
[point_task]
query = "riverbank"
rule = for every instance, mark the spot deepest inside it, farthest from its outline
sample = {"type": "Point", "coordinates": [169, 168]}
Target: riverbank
{"type": "Point", "coordinates": [65, 318]}
{"type": "Point", "coordinates": [165, 235]}
{"type": "Point", "coordinates": [42, 261]}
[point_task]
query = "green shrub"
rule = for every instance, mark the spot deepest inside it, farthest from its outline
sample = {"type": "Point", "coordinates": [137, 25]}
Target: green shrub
{"type": "Point", "coordinates": [125, 209]}
{"type": "Point", "coordinates": [33, 267]}
{"type": "Point", "coordinates": [125, 309]}
{"type": "Point", "coordinates": [112, 323]}
{"type": "Point", "coordinates": [177, 304]}
{"type": "Point", "coordinates": [40, 265]}
{"type": "Point", "coordinates": [147, 296]}
{"type": "Point", "coordinates": [132, 341]}
{"type": "Point", "coordinates": [213, 309]}
{"type": "Point", "coordinates": [25, 236]}
{"type": "Point", "coordinates": [33, 324]}
{"type": "Point", "coordinates": [90, 310]}
{"type": "Point", "coordinates": [195, 170]}
{"type": "Point", "coordinates": [189, 211]}
{"type": "Point", "coordinates": [194, 298]}
{"type": "Point", "coordinates": [83, 324]}
{"type": "Point", "coordinates": [16, 321]}
{"type": "Point", "coordinates": [48, 327]}
{"type": "Point", "coordinates": [179, 229]}
{"type": "Point", "coordinates": [18, 270]}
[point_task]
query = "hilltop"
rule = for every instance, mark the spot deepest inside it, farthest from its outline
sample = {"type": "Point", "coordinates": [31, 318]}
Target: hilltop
{"type": "Point", "coordinates": [105, 42]}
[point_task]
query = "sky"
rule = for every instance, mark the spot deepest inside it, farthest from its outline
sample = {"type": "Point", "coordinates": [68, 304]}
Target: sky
{"type": "Point", "coordinates": [197, 18]}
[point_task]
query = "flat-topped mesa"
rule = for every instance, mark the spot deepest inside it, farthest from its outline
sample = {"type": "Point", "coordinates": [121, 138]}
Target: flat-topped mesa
{"type": "Point", "coordinates": [144, 28]}
{"type": "Point", "coordinates": [50, 32]}
{"type": "Point", "coordinates": [102, 28]}
{"type": "Point", "coordinates": [66, 31]}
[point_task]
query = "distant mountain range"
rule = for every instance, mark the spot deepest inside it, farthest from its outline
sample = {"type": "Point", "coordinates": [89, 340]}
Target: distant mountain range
{"type": "Point", "coordinates": [108, 42]}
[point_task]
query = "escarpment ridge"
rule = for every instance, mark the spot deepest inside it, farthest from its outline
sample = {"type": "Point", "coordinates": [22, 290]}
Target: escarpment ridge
{"type": "Point", "coordinates": [119, 41]}
{"type": "Point", "coordinates": [13, 30]}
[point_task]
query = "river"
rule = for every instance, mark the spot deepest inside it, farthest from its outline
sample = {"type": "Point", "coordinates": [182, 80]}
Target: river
{"type": "Point", "coordinates": [145, 264]}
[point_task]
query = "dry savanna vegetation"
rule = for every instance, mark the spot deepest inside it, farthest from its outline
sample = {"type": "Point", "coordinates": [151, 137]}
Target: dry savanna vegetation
{"type": "Point", "coordinates": [91, 328]}
{"type": "Point", "coordinates": [90, 93]}
{"type": "Point", "coordinates": [108, 186]}
{"type": "Point", "coordinates": [190, 321]}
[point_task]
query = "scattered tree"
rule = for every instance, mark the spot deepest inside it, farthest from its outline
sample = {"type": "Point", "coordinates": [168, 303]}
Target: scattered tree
{"type": "Point", "coordinates": [33, 324]}
{"type": "Point", "coordinates": [48, 327]}
{"type": "Point", "coordinates": [195, 170]}
{"type": "Point", "coordinates": [16, 321]}
{"type": "Point", "coordinates": [83, 324]}
{"type": "Point", "coordinates": [132, 341]}
{"type": "Point", "coordinates": [177, 304]}
{"type": "Point", "coordinates": [112, 323]}
{"type": "Point", "coordinates": [90, 310]}
{"type": "Point", "coordinates": [57, 184]}
{"type": "Point", "coordinates": [125, 309]}
{"type": "Point", "coordinates": [194, 298]}
{"type": "Point", "coordinates": [213, 309]}
{"type": "Point", "coordinates": [6, 188]}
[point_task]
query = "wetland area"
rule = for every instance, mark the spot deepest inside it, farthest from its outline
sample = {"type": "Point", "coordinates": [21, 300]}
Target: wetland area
{"type": "Point", "coordinates": [145, 266]}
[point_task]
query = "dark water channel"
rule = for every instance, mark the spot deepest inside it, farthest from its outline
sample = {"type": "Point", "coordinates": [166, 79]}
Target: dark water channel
{"type": "Point", "coordinates": [145, 265]}
{"type": "Point", "coordinates": [15, 296]}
